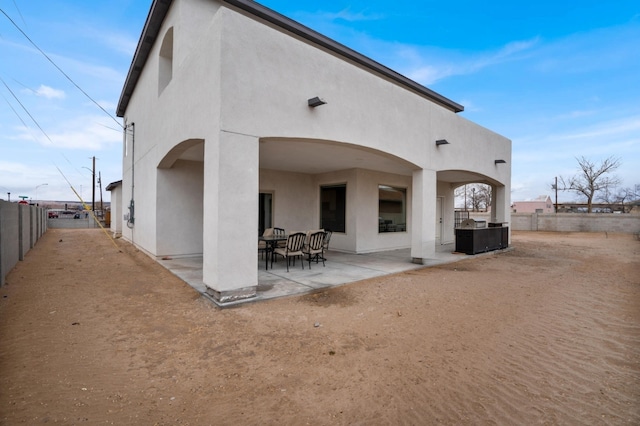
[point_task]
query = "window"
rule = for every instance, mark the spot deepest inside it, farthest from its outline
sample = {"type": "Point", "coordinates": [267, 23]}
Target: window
{"type": "Point", "coordinates": [392, 209]}
{"type": "Point", "coordinates": [333, 207]}
{"type": "Point", "coordinates": [265, 213]}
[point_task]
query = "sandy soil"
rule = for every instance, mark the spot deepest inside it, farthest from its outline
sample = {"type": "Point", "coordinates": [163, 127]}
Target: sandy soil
{"type": "Point", "coordinates": [548, 333]}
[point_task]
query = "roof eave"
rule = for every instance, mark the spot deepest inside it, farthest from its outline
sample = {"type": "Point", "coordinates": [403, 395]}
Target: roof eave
{"type": "Point", "coordinates": [150, 31]}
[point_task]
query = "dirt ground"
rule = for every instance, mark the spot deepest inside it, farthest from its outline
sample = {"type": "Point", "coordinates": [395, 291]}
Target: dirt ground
{"type": "Point", "coordinates": [548, 333]}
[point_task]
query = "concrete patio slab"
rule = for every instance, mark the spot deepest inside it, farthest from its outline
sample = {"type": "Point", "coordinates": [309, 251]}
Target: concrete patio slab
{"type": "Point", "coordinates": [340, 268]}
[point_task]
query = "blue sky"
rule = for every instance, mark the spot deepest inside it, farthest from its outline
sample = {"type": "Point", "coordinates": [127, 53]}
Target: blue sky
{"type": "Point", "coordinates": [561, 79]}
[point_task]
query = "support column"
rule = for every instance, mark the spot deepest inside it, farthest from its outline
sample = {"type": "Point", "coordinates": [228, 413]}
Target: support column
{"type": "Point", "coordinates": [423, 215]}
{"type": "Point", "coordinates": [230, 241]}
{"type": "Point", "coordinates": [500, 206]}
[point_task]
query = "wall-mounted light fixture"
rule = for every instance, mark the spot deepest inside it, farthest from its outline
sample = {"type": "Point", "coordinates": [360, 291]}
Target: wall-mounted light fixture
{"type": "Point", "coordinates": [500, 161]}
{"type": "Point", "coordinates": [442, 142]}
{"type": "Point", "coordinates": [316, 102]}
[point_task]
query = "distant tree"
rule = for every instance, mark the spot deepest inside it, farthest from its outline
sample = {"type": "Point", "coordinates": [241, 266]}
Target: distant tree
{"type": "Point", "coordinates": [609, 197]}
{"type": "Point", "coordinates": [483, 197]}
{"type": "Point", "coordinates": [627, 194]}
{"type": "Point", "coordinates": [476, 196]}
{"type": "Point", "coordinates": [592, 178]}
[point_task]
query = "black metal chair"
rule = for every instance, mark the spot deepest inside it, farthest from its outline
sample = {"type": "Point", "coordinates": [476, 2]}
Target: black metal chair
{"type": "Point", "coordinates": [280, 232]}
{"type": "Point", "coordinates": [262, 246]}
{"type": "Point", "coordinates": [293, 249]}
{"type": "Point", "coordinates": [314, 249]}
{"type": "Point", "coordinates": [327, 237]}
{"type": "Point", "coordinates": [325, 244]}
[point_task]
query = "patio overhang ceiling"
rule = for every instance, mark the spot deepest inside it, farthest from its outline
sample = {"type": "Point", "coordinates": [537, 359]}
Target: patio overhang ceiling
{"type": "Point", "coordinates": [461, 177]}
{"type": "Point", "coordinates": [316, 157]}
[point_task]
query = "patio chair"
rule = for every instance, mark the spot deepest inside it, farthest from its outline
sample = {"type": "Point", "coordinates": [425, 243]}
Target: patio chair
{"type": "Point", "coordinates": [262, 246]}
{"type": "Point", "coordinates": [293, 249]}
{"type": "Point", "coordinates": [280, 231]}
{"type": "Point", "coordinates": [314, 248]}
{"type": "Point", "coordinates": [327, 238]}
{"type": "Point", "coordinates": [325, 242]}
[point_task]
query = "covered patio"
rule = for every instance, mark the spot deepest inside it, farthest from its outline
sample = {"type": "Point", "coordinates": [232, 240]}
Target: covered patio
{"type": "Point", "coordinates": [341, 268]}
{"type": "Point", "coordinates": [230, 128]}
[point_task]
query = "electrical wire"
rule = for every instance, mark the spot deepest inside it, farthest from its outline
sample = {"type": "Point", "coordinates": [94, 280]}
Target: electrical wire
{"type": "Point", "coordinates": [60, 69]}
{"type": "Point", "coordinates": [19, 13]}
{"type": "Point", "coordinates": [36, 122]}
{"type": "Point", "coordinates": [25, 110]}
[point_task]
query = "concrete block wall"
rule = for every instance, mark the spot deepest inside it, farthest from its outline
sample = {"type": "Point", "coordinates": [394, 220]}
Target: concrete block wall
{"type": "Point", "coordinates": [82, 223]}
{"type": "Point", "coordinates": [570, 222]}
{"type": "Point", "coordinates": [20, 228]}
{"type": "Point", "coordinates": [584, 222]}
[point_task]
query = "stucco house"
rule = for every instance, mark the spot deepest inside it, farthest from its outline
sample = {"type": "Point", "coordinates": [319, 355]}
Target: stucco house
{"type": "Point", "coordinates": [540, 204]}
{"type": "Point", "coordinates": [238, 119]}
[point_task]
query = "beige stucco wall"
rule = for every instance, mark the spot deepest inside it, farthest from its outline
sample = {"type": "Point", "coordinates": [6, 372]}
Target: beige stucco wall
{"type": "Point", "coordinates": [116, 211]}
{"type": "Point", "coordinates": [236, 81]}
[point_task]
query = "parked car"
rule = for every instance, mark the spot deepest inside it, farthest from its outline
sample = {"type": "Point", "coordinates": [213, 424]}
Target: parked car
{"type": "Point", "coordinates": [76, 216]}
{"type": "Point", "coordinates": [53, 215]}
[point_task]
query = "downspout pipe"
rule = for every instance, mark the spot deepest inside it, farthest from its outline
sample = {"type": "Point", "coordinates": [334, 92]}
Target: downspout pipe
{"type": "Point", "coordinates": [131, 218]}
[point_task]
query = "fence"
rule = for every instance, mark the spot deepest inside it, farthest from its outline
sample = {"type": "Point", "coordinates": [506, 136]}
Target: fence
{"type": "Point", "coordinates": [21, 226]}
{"type": "Point", "coordinates": [570, 222]}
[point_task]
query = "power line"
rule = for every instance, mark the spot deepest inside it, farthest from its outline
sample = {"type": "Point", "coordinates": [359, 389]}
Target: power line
{"type": "Point", "coordinates": [16, 113]}
{"type": "Point", "coordinates": [25, 110]}
{"type": "Point", "coordinates": [34, 120]}
{"type": "Point", "coordinates": [19, 13]}
{"type": "Point", "coordinates": [59, 69]}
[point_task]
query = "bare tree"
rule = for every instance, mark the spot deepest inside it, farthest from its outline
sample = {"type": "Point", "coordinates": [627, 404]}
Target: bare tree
{"type": "Point", "coordinates": [609, 197]}
{"type": "Point", "coordinates": [477, 196]}
{"type": "Point", "coordinates": [483, 196]}
{"type": "Point", "coordinates": [627, 194]}
{"type": "Point", "coordinates": [592, 178]}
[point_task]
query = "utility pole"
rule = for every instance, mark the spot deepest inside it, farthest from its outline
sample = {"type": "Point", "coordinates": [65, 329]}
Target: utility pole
{"type": "Point", "coordinates": [465, 197]}
{"type": "Point", "coordinates": [473, 199]}
{"type": "Point", "coordinates": [93, 191]}
{"type": "Point", "coordinates": [100, 183]}
{"type": "Point", "coordinates": [556, 188]}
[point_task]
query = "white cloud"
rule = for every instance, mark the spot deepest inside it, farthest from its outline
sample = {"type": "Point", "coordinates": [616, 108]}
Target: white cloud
{"type": "Point", "coordinates": [576, 114]}
{"type": "Point", "coordinates": [49, 92]}
{"type": "Point", "coordinates": [429, 74]}
{"type": "Point", "coordinates": [119, 42]}
{"type": "Point", "coordinates": [348, 15]}
{"type": "Point", "coordinates": [433, 65]}
{"type": "Point", "coordinates": [91, 133]}
{"type": "Point", "coordinates": [76, 68]}
{"type": "Point", "coordinates": [618, 128]}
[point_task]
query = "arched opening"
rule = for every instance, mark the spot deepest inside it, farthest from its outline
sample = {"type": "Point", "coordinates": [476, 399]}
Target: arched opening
{"type": "Point", "coordinates": [165, 61]}
{"type": "Point", "coordinates": [362, 194]}
{"type": "Point", "coordinates": [179, 202]}
{"type": "Point", "coordinates": [467, 194]}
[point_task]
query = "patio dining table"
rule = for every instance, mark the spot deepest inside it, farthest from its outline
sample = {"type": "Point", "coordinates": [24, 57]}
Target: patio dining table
{"type": "Point", "coordinates": [271, 241]}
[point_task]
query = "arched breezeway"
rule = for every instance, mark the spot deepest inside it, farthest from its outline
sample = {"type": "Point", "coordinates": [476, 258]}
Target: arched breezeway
{"type": "Point", "coordinates": [179, 200]}
{"type": "Point", "coordinates": [308, 181]}
{"type": "Point", "coordinates": [295, 173]}
{"type": "Point", "coordinates": [450, 180]}
{"type": "Point", "coordinates": [292, 172]}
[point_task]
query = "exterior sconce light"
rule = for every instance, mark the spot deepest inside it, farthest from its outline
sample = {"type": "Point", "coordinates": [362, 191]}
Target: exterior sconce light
{"type": "Point", "coordinates": [442, 142]}
{"type": "Point", "coordinates": [500, 161]}
{"type": "Point", "coordinates": [316, 102]}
